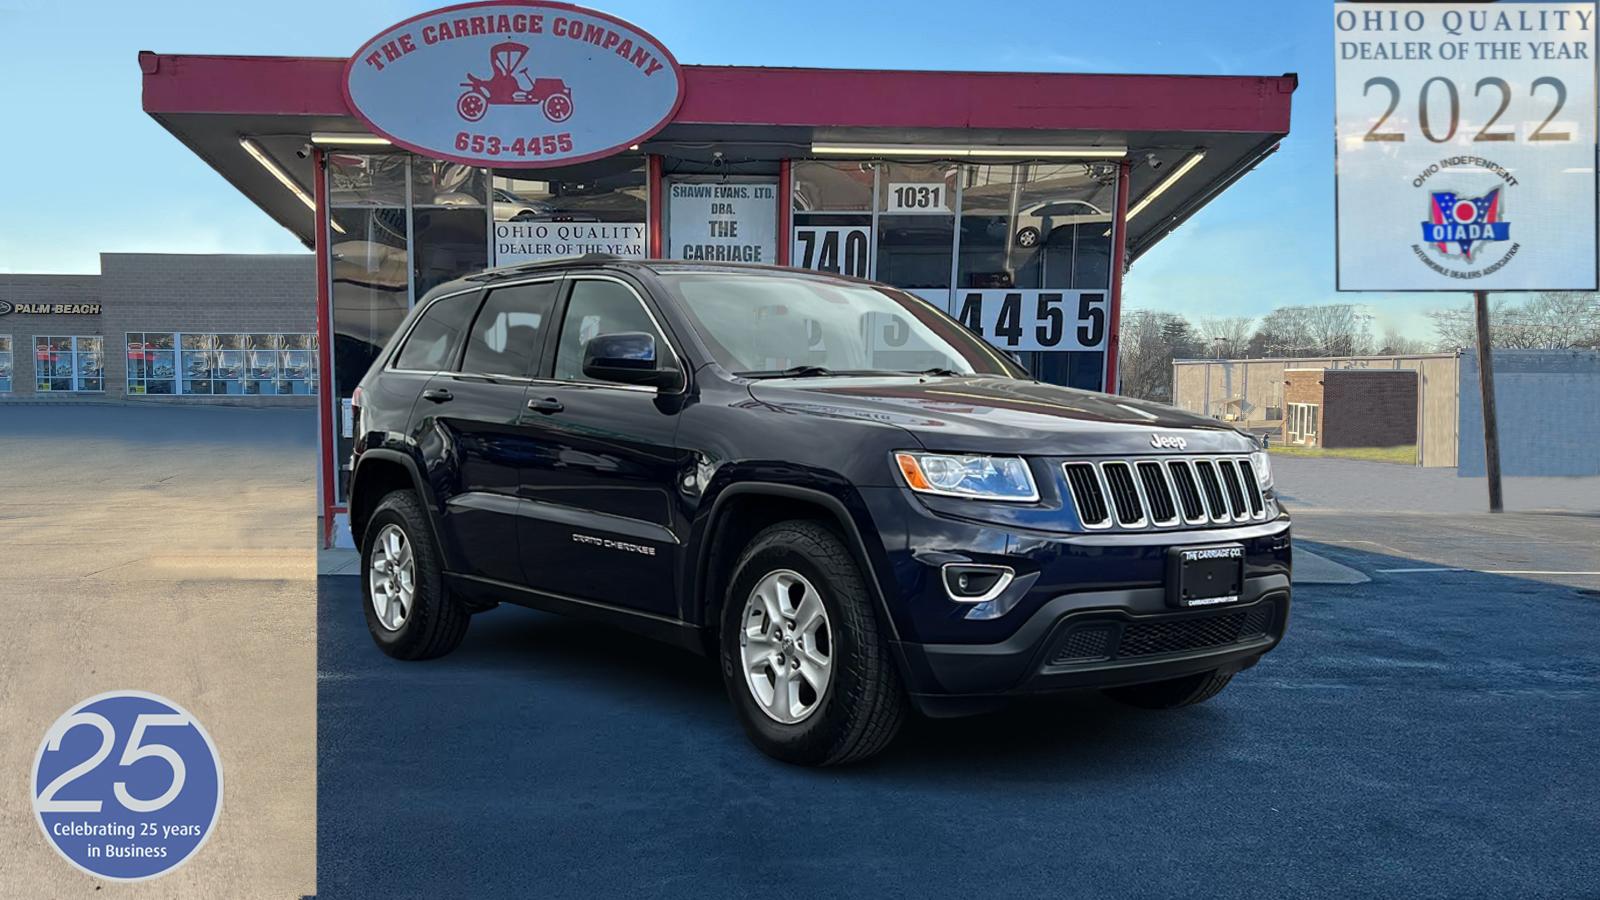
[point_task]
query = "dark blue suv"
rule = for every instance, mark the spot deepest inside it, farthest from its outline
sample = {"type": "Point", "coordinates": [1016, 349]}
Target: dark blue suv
{"type": "Point", "coordinates": [858, 506]}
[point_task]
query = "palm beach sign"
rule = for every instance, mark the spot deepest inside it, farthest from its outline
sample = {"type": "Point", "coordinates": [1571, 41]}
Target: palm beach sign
{"type": "Point", "coordinates": [514, 84]}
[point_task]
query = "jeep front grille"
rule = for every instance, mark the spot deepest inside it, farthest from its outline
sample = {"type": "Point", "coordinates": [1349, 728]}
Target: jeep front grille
{"type": "Point", "coordinates": [1165, 492]}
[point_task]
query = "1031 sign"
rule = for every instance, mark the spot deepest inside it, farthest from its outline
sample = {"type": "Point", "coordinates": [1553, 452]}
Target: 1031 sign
{"type": "Point", "coordinates": [1034, 320]}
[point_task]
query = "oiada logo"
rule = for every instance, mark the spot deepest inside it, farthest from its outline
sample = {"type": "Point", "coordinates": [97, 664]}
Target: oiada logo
{"type": "Point", "coordinates": [520, 83]}
{"type": "Point", "coordinates": [1461, 230]}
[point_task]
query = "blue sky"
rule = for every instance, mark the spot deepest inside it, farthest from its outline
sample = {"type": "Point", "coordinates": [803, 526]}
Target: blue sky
{"type": "Point", "coordinates": [87, 170]}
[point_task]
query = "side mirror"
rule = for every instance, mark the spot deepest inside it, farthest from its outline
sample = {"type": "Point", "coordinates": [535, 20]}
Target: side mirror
{"type": "Point", "coordinates": [627, 357]}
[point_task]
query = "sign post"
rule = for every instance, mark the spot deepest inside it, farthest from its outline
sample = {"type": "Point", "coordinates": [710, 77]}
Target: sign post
{"type": "Point", "coordinates": [1491, 425]}
{"type": "Point", "coordinates": [1465, 155]}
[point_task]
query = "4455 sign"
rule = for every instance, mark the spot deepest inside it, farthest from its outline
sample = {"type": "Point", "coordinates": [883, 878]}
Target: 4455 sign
{"type": "Point", "coordinates": [1030, 320]}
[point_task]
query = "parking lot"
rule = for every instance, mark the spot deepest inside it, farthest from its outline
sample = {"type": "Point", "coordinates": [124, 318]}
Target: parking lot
{"type": "Point", "coordinates": [169, 550]}
{"type": "Point", "coordinates": [1426, 729]}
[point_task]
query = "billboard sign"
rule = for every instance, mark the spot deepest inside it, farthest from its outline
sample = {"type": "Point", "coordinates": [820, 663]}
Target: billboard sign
{"type": "Point", "coordinates": [1465, 146]}
{"type": "Point", "coordinates": [517, 84]}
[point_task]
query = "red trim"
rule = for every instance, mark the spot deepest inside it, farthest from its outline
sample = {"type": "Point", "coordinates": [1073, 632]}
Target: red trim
{"type": "Point", "coordinates": [653, 248]}
{"type": "Point", "coordinates": [785, 209]}
{"type": "Point", "coordinates": [840, 98]}
{"type": "Point", "coordinates": [1119, 261]}
{"type": "Point", "coordinates": [505, 162]}
{"type": "Point", "coordinates": [325, 390]}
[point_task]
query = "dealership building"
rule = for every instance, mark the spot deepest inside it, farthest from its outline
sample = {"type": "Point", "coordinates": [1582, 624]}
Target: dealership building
{"type": "Point", "coordinates": [164, 328]}
{"type": "Point", "coordinates": [505, 133]}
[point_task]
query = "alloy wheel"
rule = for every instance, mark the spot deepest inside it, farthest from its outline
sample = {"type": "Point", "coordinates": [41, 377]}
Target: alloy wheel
{"type": "Point", "coordinates": [392, 577]}
{"type": "Point", "coordinates": [786, 645]}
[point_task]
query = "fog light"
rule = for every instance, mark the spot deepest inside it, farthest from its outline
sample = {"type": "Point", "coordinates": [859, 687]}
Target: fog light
{"type": "Point", "coordinates": [975, 583]}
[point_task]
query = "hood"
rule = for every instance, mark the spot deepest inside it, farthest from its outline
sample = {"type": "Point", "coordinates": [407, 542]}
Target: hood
{"type": "Point", "coordinates": [1000, 415]}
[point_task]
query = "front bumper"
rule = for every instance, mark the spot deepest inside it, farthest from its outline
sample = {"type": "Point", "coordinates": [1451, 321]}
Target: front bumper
{"type": "Point", "coordinates": [1098, 639]}
{"type": "Point", "coordinates": [1086, 610]}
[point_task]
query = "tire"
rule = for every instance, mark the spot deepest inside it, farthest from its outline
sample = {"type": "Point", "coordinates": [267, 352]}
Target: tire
{"type": "Point", "coordinates": [434, 622]}
{"type": "Point", "coordinates": [1028, 237]}
{"type": "Point", "coordinates": [1173, 693]}
{"type": "Point", "coordinates": [863, 703]}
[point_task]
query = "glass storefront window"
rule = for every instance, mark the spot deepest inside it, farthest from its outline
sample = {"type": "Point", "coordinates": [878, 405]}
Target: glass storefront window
{"type": "Point", "coordinates": [598, 207]}
{"type": "Point", "coordinates": [360, 179]}
{"type": "Point", "coordinates": [832, 207]}
{"type": "Point", "coordinates": [226, 364]}
{"type": "Point", "coordinates": [438, 183]}
{"type": "Point", "coordinates": [916, 224]}
{"type": "Point", "coordinates": [65, 364]}
{"type": "Point", "coordinates": [1037, 225]}
{"type": "Point", "coordinates": [152, 363]}
{"type": "Point", "coordinates": [5, 364]}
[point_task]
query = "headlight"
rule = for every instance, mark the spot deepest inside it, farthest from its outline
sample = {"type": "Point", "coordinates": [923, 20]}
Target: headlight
{"type": "Point", "coordinates": [1262, 463]}
{"type": "Point", "coordinates": [977, 477]}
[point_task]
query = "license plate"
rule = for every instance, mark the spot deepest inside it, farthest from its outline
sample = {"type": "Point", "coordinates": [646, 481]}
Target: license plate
{"type": "Point", "coordinates": [1205, 576]}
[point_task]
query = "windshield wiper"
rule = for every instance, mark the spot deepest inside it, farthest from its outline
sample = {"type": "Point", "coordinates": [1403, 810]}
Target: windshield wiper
{"type": "Point", "coordinates": [791, 372]}
{"type": "Point", "coordinates": [940, 371]}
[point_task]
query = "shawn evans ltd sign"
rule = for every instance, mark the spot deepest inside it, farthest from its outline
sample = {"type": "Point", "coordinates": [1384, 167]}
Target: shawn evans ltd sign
{"type": "Point", "coordinates": [514, 84]}
{"type": "Point", "coordinates": [49, 309]}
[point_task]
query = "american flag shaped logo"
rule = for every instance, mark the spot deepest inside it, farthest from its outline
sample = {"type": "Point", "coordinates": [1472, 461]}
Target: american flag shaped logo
{"type": "Point", "coordinates": [1464, 222]}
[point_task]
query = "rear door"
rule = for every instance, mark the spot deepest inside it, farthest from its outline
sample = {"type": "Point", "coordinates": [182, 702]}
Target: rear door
{"type": "Point", "coordinates": [471, 429]}
{"type": "Point", "coordinates": [600, 484]}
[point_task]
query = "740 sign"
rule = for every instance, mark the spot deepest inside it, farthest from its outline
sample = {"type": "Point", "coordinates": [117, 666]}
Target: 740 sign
{"type": "Point", "coordinates": [1029, 320]}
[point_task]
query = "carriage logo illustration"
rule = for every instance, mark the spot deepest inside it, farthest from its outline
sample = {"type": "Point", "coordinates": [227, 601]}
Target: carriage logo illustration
{"type": "Point", "coordinates": [510, 84]}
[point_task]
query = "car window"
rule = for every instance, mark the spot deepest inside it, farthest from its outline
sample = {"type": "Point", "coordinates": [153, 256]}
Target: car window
{"type": "Point", "coordinates": [600, 307]}
{"type": "Point", "coordinates": [436, 337]}
{"type": "Point", "coordinates": [509, 331]}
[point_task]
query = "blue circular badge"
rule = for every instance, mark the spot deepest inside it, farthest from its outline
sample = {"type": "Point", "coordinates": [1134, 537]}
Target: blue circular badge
{"type": "Point", "coordinates": [127, 785]}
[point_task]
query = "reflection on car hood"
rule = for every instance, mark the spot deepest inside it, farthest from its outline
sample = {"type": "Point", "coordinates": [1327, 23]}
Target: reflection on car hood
{"type": "Point", "coordinates": [969, 413]}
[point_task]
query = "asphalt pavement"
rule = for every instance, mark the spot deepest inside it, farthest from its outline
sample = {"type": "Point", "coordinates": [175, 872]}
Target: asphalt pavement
{"type": "Point", "coordinates": [1422, 734]}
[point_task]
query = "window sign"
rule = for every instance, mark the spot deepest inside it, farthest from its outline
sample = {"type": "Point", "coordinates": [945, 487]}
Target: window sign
{"type": "Point", "coordinates": [1465, 146]}
{"type": "Point", "coordinates": [717, 222]}
{"type": "Point", "coordinates": [931, 197]}
{"type": "Point", "coordinates": [68, 364]}
{"type": "Point", "coordinates": [5, 364]}
{"type": "Point", "coordinates": [1035, 319]}
{"type": "Point", "coordinates": [841, 249]}
{"type": "Point", "coordinates": [531, 241]}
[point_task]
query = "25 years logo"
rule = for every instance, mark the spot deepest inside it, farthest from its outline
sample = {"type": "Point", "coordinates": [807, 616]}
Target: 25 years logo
{"type": "Point", "coordinates": [127, 785]}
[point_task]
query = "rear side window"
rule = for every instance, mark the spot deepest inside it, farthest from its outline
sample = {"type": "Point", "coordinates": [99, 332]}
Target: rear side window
{"type": "Point", "coordinates": [435, 340]}
{"type": "Point", "coordinates": [509, 331]}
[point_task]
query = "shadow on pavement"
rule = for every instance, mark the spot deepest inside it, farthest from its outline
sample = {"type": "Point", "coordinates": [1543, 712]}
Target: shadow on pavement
{"type": "Point", "coordinates": [1411, 735]}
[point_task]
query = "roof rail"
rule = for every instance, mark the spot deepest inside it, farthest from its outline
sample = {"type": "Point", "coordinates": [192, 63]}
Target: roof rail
{"type": "Point", "coordinates": [519, 268]}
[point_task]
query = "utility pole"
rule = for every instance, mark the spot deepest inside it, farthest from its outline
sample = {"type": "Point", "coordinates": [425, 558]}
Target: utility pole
{"type": "Point", "coordinates": [1491, 426]}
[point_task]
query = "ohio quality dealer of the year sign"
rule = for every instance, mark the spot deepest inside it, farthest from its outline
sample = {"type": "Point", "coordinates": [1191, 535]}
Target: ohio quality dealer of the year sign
{"type": "Point", "coordinates": [514, 84]}
{"type": "Point", "coordinates": [1465, 155]}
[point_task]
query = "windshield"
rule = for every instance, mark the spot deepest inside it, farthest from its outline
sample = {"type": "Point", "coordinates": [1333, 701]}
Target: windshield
{"type": "Point", "coordinates": [773, 325]}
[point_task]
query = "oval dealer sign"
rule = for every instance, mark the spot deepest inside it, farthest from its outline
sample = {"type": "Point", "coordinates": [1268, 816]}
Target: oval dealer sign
{"type": "Point", "coordinates": [514, 84]}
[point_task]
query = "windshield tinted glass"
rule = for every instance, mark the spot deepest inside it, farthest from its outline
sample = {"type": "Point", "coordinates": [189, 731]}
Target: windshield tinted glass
{"type": "Point", "coordinates": [769, 323]}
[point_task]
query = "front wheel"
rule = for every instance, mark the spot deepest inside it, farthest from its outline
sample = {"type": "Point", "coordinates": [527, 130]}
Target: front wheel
{"type": "Point", "coordinates": [1174, 692]}
{"type": "Point", "coordinates": [805, 664]}
{"type": "Point", "coordinates": [410, 612]}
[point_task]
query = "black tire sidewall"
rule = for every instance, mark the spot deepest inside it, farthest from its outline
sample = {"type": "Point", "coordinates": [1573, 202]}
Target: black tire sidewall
{"type": "Point", "coordinates": [812, 740]}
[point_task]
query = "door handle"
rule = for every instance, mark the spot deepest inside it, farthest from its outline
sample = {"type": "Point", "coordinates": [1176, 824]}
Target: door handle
{"type": "Point", "coordinates": [438, 395]}
{"type": "Point", "coordinates": [547, 405]}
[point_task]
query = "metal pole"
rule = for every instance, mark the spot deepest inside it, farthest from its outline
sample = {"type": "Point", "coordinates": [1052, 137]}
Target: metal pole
{"type": "Point", "coordinates": [1491, 427]}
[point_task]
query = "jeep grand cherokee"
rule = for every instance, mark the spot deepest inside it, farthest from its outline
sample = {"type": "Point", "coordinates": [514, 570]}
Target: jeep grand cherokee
{"type": "Point", "coordinates": [858, 506]}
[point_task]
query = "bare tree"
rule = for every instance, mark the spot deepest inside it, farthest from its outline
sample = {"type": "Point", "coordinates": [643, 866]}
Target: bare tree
{"type": "Point", "coordinates": [1396, 344]}
{"type": "Point", "coordinates": [1552, 320]}
{"type": "Point", "coordinates": [1336, 329]}
{"type": "Point", "coordinates": [1149, 343]}
{"type": "Point", "coordinates": [1226, 336]}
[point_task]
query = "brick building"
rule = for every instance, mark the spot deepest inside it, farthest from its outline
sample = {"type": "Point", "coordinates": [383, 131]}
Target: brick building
{"type": "Point", "coordinates": [1350, 407]}
{"type": "Point", "coordinates": [178, 328]}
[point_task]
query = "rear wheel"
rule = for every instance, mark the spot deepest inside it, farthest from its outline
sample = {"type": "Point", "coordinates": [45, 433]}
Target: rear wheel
{"type": "Point", "coordinates": [1174, 692]}
{"type": "Point", "coordinates": [410, 613]}
{"type": "Point", "coordinates": [806, 667]}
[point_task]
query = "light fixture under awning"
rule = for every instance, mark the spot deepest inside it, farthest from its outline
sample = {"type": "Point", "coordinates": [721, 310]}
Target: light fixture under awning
{"type": "Point", "coordinates": [969, 152]}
